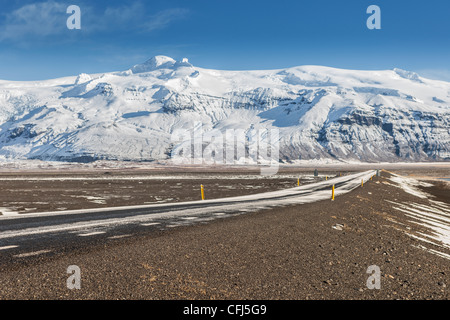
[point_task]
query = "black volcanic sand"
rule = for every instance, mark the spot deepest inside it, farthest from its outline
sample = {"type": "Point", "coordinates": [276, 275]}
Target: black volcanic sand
{"type": "Point", "coordinates": [440, 190]}
{"type": "Point", "coordinates": [287, 253]}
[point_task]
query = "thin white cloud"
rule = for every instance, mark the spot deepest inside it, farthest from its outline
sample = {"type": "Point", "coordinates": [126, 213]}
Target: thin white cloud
{"type": "Point", "coordinates": [48, 18]}
{"type": "Point", "coordinates": [163, 18]}
{"type": "Point", "coordinates": [37, 19]}
{"type": "Point", "coordinates": [115, 17]}
{"type": "Point", "coordinates": [134, 17]}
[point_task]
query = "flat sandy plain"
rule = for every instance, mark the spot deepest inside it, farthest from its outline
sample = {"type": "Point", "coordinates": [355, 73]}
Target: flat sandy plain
{"type": "Point", "coordinates": [312, 251]}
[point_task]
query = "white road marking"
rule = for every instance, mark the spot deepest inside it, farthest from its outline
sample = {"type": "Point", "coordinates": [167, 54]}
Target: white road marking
{"type": "Point", "coordinates": [30, 254]}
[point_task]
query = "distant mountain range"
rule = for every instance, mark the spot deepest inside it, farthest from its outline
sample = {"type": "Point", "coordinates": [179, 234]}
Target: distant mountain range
{"type": "Point", "coordinates": [321, 113]}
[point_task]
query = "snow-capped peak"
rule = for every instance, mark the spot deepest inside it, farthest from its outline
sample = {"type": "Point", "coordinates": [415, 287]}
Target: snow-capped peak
{"type": "Point", "coordinates": [183, 63]}
{"type": "Point", "coordinates": [159, 62]}
{"type": "Point", "coordinates": [82, 78]}
{"type": "Point", "coordinates": [407, 74]}
{"type": "Point", "coordinates": [156, 62]}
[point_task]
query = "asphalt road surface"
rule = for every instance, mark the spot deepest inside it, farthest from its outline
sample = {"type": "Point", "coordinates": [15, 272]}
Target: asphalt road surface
{"type": "Point", "coordinates": [27, 236]}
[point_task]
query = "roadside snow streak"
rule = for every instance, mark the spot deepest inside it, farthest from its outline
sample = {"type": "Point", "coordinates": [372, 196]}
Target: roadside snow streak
{"type": "Point", "coordinates": [120, 236]}
{"type": "Point", "coordinates": [8, 247]}
{"type": "Point", "coordinates": [435, 216]}
{"type": "Point", "coordinates": [440, 228]}
{"type": "Point", "coordinates": [438, 253]}
{"type": "Point", "coordinates": [91, 234]}
{"type": "Point", "coordinates": [150, 224]}
{"type": "Point", "coordinates": [31, 254]}
{"type": "Point", "coordinates": [410, 185]}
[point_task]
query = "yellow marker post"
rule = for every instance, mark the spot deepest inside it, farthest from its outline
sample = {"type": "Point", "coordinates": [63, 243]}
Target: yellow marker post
{"type": "Point", "coordinates": [203, 192]}
{"type": "Point", "coordinates": [332, 193]}
{"type": "Point", "coordinates": [298, 182]}
{"type": "Point", "coordinates": [326, 178]}
{"type": "Point", "coordinates": [362, 182]}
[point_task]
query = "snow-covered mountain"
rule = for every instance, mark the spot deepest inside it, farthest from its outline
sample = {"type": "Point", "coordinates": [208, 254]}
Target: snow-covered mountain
{"type": "Point", "coordinates": [321, 112]}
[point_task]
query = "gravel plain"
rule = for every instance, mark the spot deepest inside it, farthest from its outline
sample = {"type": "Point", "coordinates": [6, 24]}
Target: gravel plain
{"type": "Point", "coordinates": [316, 251]}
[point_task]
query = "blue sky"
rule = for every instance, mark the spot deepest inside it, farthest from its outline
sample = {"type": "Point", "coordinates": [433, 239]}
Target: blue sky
{"type": "Point", "coordinates": [234, 35]}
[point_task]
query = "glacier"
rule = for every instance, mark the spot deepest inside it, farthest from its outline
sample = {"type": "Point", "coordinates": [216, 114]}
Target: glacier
{"type": "Point", "coordinates": [320, 112]}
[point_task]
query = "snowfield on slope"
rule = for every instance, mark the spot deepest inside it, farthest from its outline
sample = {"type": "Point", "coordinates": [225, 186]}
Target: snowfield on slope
{"type": "Point", "coordinates": [320, 112]}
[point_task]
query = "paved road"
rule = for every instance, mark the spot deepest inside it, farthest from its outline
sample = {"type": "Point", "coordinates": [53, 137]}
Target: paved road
{"type": "Point", "coordinates": [29, 236]}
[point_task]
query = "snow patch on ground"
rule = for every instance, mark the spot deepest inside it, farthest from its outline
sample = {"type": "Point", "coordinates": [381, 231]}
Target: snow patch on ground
{"type": "Point", "coordinates": [8, 212]}
{"type": "Point", "coordinates": [410, 185]}
{"type": "Point", "coordinates": [434, 216]}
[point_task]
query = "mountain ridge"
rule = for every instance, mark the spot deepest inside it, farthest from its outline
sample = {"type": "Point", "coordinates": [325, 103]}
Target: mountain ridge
{"type": "Point", "coordinates": [321, 112]}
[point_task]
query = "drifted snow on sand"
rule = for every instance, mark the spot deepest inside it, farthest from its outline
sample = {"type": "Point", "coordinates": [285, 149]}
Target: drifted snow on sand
{"type": "Point", "coordinates": [435, 216]}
